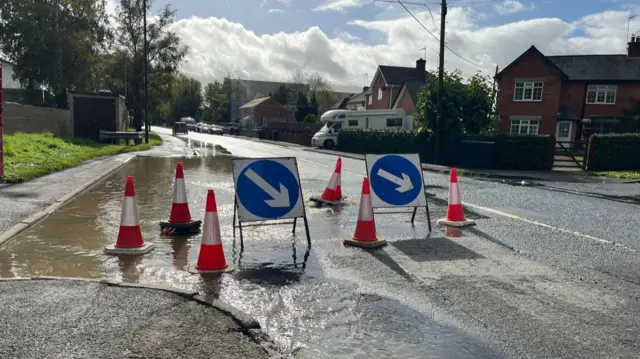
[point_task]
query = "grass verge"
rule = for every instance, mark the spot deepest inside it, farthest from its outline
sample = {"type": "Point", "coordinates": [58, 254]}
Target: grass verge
{"type": "Point", "coordinates": [628, 175]}
{"type": "Point", "coordinates": [31, 155]}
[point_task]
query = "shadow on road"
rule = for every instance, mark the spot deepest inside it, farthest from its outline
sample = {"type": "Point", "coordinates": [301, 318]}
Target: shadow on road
{"type": "Point", "coordinates": [434, 249]}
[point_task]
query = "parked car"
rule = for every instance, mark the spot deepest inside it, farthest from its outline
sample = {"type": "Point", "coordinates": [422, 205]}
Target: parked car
{"type": "Point", "coordinates": [191, 123]}
{"type": "Point", "coordinates": [216, 130]}
{"type": "Point", "coordinates": [180, 127]}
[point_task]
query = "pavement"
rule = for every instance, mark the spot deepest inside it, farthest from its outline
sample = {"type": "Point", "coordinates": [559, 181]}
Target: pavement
{"type": "Point", "coordinates": [24, 204]}
{"type": "Point", "coordinates": [63, 318]}
{"type": "Point", "coordinates": [545, 274]}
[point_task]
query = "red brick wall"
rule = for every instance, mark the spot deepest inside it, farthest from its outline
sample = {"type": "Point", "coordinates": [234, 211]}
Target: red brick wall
{"type": "Point", "coordinates": [269, 109]}
{"type": "Point", "coordinates": [388, 95]}
{"type": "Point", "coordinates": [406, 103]}
{"type": "Point", "coordinates": [530, 67]}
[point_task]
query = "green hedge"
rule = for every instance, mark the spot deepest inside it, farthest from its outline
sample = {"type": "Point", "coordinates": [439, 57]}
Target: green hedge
{"type": "Point", "coordinates": [509, 152]}
{"type": "Point", "coordinates": [376, 141]}
{"type": "Point", "coordinates": [519, 152]}
{"type": "Point", "coordinates": [614, 152]}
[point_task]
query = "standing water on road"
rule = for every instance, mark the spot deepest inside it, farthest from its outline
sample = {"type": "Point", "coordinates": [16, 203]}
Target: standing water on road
{"type": "Point", "coordinates": [327, 302]}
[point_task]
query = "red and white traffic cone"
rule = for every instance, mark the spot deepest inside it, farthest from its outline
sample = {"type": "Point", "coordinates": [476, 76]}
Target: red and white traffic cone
{"type": "Point", "coordinates": [365, 235]}
{"type": "Point", "coordinates": [130, 239]}
{"type": "Point", "coordinates": [180, 221]}
{"type": "Point", "coordinates": [211, 258]}
{"type": "Point", "coordinates": [455, 214]}
{"type": "Point", "coordinates": [332, 194]}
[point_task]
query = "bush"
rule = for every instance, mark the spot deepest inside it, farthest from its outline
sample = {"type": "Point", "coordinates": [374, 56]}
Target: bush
{"type": "Point", "coordinates": [519, 152]}
{"type": "Point", "coordinates": [613, 152]}
{"type": "Point", "coordinates": [509, 152]}
{"type": "Point", "coordinates": [376, 141]}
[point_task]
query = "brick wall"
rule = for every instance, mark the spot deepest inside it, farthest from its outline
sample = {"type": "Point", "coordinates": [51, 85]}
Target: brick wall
{"type": "Point", "coordinates": [33, 119]}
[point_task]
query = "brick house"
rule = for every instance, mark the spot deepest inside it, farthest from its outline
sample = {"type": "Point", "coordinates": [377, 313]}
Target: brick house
{"type": "Point", "coordinates": [263, 110]}
{"type": "Point", "coordinates": [569, 97]}
{"type": "Point", "coordinates": [396, 87]}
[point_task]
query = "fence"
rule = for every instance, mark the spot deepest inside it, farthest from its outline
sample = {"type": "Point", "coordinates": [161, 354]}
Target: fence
{"type": "Point", "coordinates": [292, 132]}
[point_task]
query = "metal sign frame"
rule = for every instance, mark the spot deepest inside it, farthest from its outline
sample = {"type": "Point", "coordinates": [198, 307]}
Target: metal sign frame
{"type": "Point", "coordinates": [267, 222]}
{"type": "Point", "coordinates": [415, 208]}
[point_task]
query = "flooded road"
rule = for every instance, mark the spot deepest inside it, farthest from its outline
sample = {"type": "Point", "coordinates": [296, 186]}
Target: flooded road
{"type": "Point", "coordinates": [327, 302]}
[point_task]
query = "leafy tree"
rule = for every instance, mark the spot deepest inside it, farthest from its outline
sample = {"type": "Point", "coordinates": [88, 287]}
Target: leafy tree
{"type": "Point", "coordinates": [55, 44]}
{"type": "Point", "coordinates": [468, 107]}
{"type": "Point", "coordinates": [281, 95]}
{"type": "Point", "coordinates": [213, 103]}
{"type": "Point", "coordinates": [302, 107]}
{"type": "Point", "coordinates": [259, 95]}
{"type": "Point", "coordinates": [165, 53]}
{"type": "Point", "coordinates": [188, 98]}
{"type": "Point", "coordinates": [310, 118]}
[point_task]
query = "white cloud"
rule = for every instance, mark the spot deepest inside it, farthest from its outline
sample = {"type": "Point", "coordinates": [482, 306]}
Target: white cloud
{"type": "Point", "coordinates": [346, 36]}
{"type": "Point", "coordinates": [219, 47]}
{"type": "Point", "coordinates": [338, 5]}
{"type": "Point", "coordinates": [512, 7]}
{"type": "Point", "coordinates": [285, 2]}
{"type": "Point", "coordinates": [275, 11]}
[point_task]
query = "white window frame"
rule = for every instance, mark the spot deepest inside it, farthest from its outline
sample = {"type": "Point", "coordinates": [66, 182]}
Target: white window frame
{"type": "Point", "coordinates": [603, 90]}
{"type": "Point", "coordinates": [370, 99]}
{"type": "Point", "coordinates": [379, 94]}
{"type": "Point", "coordinates": [524, 123]}
{"type": "Point", "coordinates": [530, 85]}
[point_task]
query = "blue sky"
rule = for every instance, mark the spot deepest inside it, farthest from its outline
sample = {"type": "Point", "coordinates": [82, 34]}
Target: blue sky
{"type": "Point", "coordinates": [272, 16]}
{"type": "Point", "coordinates": [271, 39]}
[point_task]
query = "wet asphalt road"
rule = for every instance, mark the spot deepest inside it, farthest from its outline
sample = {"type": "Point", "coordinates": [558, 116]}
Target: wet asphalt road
{"type": "Point", "coordinates": [330, 302]}
{"type": "Point", "coordinates": [351, 303]}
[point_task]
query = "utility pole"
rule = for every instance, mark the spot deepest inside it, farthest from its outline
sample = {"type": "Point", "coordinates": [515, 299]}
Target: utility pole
{"type": "Point", "coordinates": [443, 15]}
{"type": "Point", "coordinates": [146, 75]}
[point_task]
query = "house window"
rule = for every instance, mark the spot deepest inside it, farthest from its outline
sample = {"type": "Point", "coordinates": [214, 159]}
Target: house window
{"type": "Point", "coordinates": [379, 94]}
{"type": "Point", "coordinates": [524, 127]}
{"type": "Point", "coordinates": [601, 94]}
{"type": "Point", "coordinates": [528, 91]}
{"type": "Point", "coordinates": [370, 97]}
{"type": "Point", "coordinates": [563, 129]}
{"type": "Point", "coordinates": [394, 122]}
{"type": "Point", "coordinates": [353, 123]}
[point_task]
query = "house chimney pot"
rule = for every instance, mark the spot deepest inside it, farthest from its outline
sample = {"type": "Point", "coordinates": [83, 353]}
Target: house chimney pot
{"type": "Point", "coordinates": [633, 47]}
{"type": "Point", "coordinates": [365, 88]}
{"type": "Point", "coordinates": [421, 65]}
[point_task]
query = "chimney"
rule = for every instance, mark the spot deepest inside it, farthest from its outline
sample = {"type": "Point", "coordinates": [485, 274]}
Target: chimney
{"type": "Point", "coordinates": [633, 47]}
{"type": "Point", "coordinates": [421, 65]}
{"type": "Point", "coordinates": [364, 89]}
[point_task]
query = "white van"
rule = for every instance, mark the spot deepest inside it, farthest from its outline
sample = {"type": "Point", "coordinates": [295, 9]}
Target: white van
{"type": "Point", "coordinates": [335, 120]}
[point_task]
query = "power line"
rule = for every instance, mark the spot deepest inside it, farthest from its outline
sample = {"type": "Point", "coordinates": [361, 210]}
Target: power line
{"type": "Point", "coordinates": [437, 39]}
{"type": "Point", "coordinates": [458, 3]}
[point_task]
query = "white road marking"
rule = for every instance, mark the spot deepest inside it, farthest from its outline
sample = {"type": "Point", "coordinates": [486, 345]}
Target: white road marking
{"type": "Point", "coordinates": [513, 216]}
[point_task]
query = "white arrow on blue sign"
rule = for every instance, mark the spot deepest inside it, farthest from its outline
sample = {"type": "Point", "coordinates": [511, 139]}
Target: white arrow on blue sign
{"type": "Point", "coordinates": [267, 188]}
{"type": "Point", "coordinates": [396, 180]}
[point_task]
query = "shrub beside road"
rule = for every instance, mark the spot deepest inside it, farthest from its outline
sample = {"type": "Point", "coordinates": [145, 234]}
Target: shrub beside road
{"type": "Point", "coordinates": [31, 155]}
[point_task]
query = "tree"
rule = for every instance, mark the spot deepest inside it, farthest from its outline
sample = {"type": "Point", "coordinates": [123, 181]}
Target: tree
{"type": "Point", "coordinates": [468, 107]}
{"type": "Point", "coordinates": [54, 44]}
{"type": "Point", "coordinates": [313, 104]}
{"type": "Point", "coordinates": [309, 83]}
{"type": "Point", "coordinates": [165, 53]}
{"type": "Point", "coordinates": [302, 106]}
{"type": "Point", "coordinates": [281, 95]}
{"type": "Point", "coordinates": [214, 103]}
{"type": "Point", "coordinates": [188, 98]}
{"type": "Point", "coordinates": [259, 95]}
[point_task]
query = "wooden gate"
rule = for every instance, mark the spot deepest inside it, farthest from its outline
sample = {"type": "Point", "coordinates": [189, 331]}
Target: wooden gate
{"type": "Point", "coordinates": [570, 156]}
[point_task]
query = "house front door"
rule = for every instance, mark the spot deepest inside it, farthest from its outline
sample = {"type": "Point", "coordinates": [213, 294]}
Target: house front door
{"type": "Point", "coordinates": [563, 133]}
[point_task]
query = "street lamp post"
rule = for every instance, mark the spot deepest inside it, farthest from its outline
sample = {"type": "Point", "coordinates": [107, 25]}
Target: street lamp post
{"type": "Point", "coordinates": [146, 74]}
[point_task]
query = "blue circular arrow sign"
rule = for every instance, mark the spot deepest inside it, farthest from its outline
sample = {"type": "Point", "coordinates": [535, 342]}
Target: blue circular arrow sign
{"type": "Point", "coordinates": [395, 180]}
{"type": "Point", "coordinates": [268, 189]}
